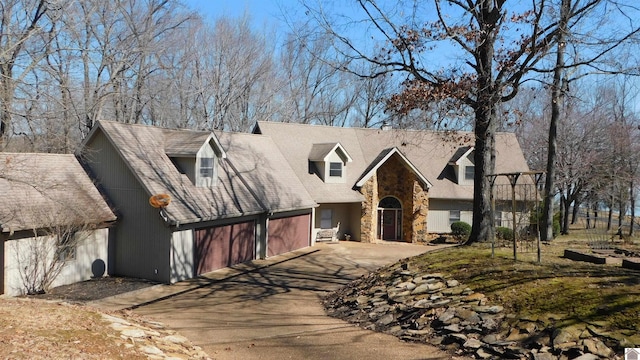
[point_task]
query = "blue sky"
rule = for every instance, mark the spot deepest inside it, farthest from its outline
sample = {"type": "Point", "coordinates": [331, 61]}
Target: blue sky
{"type": "Point", "coordinates": [261, 10]}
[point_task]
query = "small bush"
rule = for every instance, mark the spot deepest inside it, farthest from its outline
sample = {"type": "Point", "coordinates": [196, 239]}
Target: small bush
{"type": "Point", "coordinates": [536, 218]}
{"type": "Point", "coordinates": [556, 224]}
{"type": "Point", "coordinates": [460, 230]}
{"type": "Point", "coordinates": [504, 233]}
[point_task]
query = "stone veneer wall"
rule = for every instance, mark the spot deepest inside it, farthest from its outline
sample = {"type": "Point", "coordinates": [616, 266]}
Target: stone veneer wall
{"type": "Point", "coordinates": [393, 178]}
{"type": "Point", "coordinates": [369, 210]}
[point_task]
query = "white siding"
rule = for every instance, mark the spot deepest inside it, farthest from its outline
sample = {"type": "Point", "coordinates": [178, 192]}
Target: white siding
{"type": "Point", "coordinates": [91, 253]}
{"type": "Point", "coordinates": [438, 221]}
{"type": "Point", "coordinates": [182, 245]}
{"type": "Point", "coordinates": [438, 215]}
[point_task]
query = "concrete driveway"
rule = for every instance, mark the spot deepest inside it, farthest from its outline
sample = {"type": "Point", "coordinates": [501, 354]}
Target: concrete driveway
{"type": "Point", "coordinates": [271, 309]}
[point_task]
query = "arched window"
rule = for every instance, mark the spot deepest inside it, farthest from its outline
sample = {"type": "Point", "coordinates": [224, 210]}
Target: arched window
{"type": "Point", "coordinates": [390, 202]}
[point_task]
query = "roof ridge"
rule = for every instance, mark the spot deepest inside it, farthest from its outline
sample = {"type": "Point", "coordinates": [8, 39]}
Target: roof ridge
{"type": "Point", "coordinates": [357, 128]}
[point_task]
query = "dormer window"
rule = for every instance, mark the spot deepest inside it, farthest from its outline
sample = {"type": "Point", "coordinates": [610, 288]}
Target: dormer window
{"type": "Point", "coordinates": [463, 165]}
{"type": "Point", "coordinates": [207, 174]}
{"type": "Point", "coordinates": [206, 167]}
{"type": "Point", "coordinates": [335, 169]}
{"type": "Point", "coordinates": [329, 162]}
{"type": "Point", "coordinates": [196, 155]}
{"type": "Point", "coordinates": [469, 172]}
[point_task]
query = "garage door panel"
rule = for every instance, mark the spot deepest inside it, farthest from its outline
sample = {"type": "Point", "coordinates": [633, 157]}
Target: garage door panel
{"type": "Point", "coordinates": [289, 234]}
{"type": "Point", "coordinates": [223, 246]}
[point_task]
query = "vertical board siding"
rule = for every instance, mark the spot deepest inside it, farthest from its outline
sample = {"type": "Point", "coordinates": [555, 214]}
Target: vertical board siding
{"type": "Point", "coordinates": [140, 245]}
{"type": "Point", "coordinates": [288, 234]}
{"type": "Point", "coordinates": [217, 247]}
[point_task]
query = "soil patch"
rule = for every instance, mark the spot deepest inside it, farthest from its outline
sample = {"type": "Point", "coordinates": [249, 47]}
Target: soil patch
{"type": "Point", "coordinates": [95, 289]}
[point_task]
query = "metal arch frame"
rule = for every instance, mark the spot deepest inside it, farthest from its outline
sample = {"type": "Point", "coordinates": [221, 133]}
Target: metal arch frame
{"type": "Point", "coordinates": [513, 181]}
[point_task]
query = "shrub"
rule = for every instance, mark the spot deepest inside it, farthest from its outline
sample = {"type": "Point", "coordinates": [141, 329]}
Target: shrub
{"type": "Point", "coordinates": [504, 233]}
{"type": "Point", "coordinates": [536, 218]}
{"type": "Point", "coordinates": [460, 230]}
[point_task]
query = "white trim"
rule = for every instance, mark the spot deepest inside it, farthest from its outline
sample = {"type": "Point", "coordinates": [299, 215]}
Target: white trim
{"type": "Point", "coordinates": [217, 146]}
{"type": "Point", "coordinates": [463, 156]}
{"type": "Point", "coordinates": [395, 150]}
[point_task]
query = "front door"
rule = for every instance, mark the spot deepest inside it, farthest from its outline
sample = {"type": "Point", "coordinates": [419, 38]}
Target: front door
{"type": "Point", "coordinates": [389, 225]}
{"type": "Point", "coordinates": [390, 219]}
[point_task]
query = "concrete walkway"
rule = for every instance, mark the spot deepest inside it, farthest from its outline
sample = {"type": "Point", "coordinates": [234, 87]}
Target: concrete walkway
{"type": "Point", "coordinates": [271, 309]}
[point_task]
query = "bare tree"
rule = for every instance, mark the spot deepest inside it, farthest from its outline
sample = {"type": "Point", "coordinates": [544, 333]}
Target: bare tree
{"type": "Point", "coordinates": [316, 92]}
{"type": "Point", "coordinates": [22, 21]}
{"type": "Point", "coordinates": [41, 258]}
{"type": "Point", "coordinates": [496, 51]}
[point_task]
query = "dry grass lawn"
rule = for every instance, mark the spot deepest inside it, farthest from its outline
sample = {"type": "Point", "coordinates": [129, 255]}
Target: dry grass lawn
{"type": "Point", "coordinates": [37, 329]}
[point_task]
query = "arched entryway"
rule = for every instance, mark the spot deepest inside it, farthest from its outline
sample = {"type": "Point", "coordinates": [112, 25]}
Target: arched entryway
{"type": "Point", "coordinates": [390, 219]}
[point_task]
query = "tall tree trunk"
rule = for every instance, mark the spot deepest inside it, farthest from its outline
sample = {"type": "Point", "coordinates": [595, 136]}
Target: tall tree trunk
{"type": "Point", "coordinates": [485, 129]}
{"type": "Point", "coordinates": [621, 211]}
{"type": "Point", "coordinates": [574, 212]}
{"type": "Point", "coordinates": [565, 216]}
{"type": "Point", "coordinates": [632, 204]}
{"type": "Point", "coordinates": [557, 96]}
{"type": "Point", "coordinates": [610, 215]}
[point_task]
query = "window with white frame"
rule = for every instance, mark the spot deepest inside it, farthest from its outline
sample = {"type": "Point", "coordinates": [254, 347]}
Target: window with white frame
{"type": "Point", "coordinates": [206, 167]}
{"type": "Point", "coordinates": [326, 216]}
{"type": "Point", "coordinates": [454, 215]}
{"type": "Point", "coordinates": [469, 172]}
{"type": "Point", "coordinates": [335, 169]}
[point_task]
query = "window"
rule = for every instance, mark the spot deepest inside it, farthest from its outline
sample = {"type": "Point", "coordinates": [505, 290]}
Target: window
{"type": "Point", "coordinates": [326, 216]}
{"type": "Point", "coordinates": [454, 215]}
{"type": "Point", "coordinates": [66, 246]}
{"type": "Point", "coordinates": [206, 167]}
{"type": "Point", "coordinates": [469, 172]}
{"type": "Point", "coordinates": [335, 169]}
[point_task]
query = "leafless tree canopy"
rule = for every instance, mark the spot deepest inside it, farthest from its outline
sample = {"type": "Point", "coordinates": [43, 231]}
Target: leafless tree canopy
{"type": "Point", "coordinates": [415, 64]}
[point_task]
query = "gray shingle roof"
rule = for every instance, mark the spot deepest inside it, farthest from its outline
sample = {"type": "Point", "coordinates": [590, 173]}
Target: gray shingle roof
{"type": "Point", "coordinates": [186, 142]}
{"type": "Point", "coordinates": [319, 152]}
{"type": "Point", "coordinates": [43, 190]}
{"type": "Point", "coordinates": [266, 172]}
{"type": "Point", "coordinates": [144, 149]}
{"type": "Point", "coordinates": [429, 151]}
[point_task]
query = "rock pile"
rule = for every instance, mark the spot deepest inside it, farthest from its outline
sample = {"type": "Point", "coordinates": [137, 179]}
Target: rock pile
{"type": "Point", "coordinates": [443, 312]}
{"type": "Point", "coordinates": [153, 339]}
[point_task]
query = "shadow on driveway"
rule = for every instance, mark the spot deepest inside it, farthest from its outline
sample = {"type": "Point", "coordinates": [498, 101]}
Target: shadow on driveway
{"type": "Point", "coordinates": [271, 309]}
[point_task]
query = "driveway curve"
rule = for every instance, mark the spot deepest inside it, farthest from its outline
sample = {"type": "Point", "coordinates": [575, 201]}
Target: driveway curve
{"type": "Point", "coordinates": [271, 309]}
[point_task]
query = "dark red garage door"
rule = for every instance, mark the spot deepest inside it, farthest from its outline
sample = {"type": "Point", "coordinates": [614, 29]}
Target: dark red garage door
{"type": "Point", "coordinates": [222, 246]}
{"type": "Point", "coordinates": [288, 234]}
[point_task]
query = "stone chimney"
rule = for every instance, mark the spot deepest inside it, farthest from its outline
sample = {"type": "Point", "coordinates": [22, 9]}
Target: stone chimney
{"type": "Point", "coordinates": [386, 126]}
